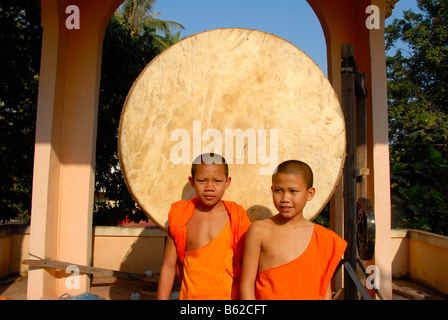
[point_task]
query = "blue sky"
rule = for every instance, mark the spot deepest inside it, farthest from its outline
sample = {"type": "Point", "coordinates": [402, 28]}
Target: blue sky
{"type": "Point", "coordinates": [293, 20]}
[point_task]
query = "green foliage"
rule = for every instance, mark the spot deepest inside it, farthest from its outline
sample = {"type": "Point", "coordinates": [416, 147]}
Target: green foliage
{"type": "Point", "coordinates": [323, 218]}
{"type": "Point", "coordinates": [419, 172]}
{"type": "Point", "coordinates": [426, 62]}
{"type": "Point", "coordinates": [418, 121]}
{"type": "Point", "coordinates": [139, 17]}
{"type": "Point", "coordinates": [130, 43]}
{"type": "Point", "coordinates": [20, 38]}
{"type": "Point", "coordinates": [164, 42]}
{"type": "Point", "coordinates": [124, 57]}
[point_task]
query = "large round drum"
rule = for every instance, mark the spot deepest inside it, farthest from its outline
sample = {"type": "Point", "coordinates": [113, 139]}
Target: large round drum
{"type": "Point", "coordinates": [248, 95]}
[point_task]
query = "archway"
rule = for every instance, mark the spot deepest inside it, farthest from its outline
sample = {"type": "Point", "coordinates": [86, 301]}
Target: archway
{"type": "Point", "coordinates": [66, 127]}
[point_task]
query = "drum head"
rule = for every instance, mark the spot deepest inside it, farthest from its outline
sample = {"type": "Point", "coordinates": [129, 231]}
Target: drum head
{"type": "Point", "coordinates": [248, 95]}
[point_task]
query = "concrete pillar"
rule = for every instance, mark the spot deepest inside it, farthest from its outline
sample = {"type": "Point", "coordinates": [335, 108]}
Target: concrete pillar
{"type": "Point", "coordinates": [344, 22]}
{"type": "Point", "coordinates": [381, 160]}
{"type": "Point", "coordinates": [63, 183]}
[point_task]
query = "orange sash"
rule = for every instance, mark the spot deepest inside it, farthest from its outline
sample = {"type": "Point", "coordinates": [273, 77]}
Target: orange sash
{"type": "Point", "coordinates": [210, 281]}
{"type": "Point", "coordinates": [182, 211]}
{"type": "Point", "coordinates": [308, 276]}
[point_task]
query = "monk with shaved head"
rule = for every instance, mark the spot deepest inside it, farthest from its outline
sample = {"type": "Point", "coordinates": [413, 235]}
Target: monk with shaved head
{"type": "Point", "coordinates": [287, 257]}
{"type": "Point", "coordinates": [205, 238]}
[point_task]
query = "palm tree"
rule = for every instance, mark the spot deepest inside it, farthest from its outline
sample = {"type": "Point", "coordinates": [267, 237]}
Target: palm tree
{"type": "Point", "coordinates": [164, 42]}
{"type": "Point", "coordinates": [138, 15]}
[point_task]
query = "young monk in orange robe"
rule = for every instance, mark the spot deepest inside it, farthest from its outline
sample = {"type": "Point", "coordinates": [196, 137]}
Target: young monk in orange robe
{"type": "Point", "coordinates": [287, 257]}
{"type": "Point", "coordinates": [206, 238]}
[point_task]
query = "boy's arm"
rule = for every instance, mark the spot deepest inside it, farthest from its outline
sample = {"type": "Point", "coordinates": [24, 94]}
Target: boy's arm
{"type": "Point", "coordinates": [328, 295]}
{"type": "Point", "coordinates": [168, 271]}
{"type": "Point", "coordinates": [251, 258]}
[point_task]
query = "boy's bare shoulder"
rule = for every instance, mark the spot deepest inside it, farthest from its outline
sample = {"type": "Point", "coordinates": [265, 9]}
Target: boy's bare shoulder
{"type": "Point", "coordinates": [258, 230]}
{"type": "Point", "coordinates": [262, 225]}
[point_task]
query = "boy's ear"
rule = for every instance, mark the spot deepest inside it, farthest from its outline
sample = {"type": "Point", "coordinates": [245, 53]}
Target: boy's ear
{"type": "Point", "coordinates": [311, 193]}
{"type": "Point", "coordinates": [229, 179]}
{"type": "Point", "coordinates": [191, 181]}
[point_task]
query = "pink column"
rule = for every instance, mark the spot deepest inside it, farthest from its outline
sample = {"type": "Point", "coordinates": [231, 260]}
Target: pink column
{"type": "Point", "coordinates": [63, 184]}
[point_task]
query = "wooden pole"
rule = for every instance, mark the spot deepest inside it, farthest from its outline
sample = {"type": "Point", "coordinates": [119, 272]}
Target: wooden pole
{"type": "Point", "coordinates": [361, 136]}
{"type": "Point", "coordinates": [61, 265]}
{"type": "Point", "coordinates": [349, 183]}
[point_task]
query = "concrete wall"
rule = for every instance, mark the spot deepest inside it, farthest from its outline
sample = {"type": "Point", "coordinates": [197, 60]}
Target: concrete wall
{"type": "Point", "coordinates": [421, 256]}
{"type": "Point", "coordinates": [14, 246]}
{"type": "Point", "coordinates": [130, 249]}
{"type": "Point", "coordinates": [399, 248]}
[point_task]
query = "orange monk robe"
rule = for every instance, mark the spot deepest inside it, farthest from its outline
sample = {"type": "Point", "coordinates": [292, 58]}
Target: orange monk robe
{"type": "Point", "coordinates": [178, 217]}
{"type": "Point", "coordinates": [309, 275]}
{"type": "Point", "coordinates": [203, 280]}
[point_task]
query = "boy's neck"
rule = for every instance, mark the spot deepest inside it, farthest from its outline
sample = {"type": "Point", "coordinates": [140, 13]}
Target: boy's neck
{"type": "Point", "coordinates": [297, 220]}
{"type": "Point", "coordinates": [200, 206]}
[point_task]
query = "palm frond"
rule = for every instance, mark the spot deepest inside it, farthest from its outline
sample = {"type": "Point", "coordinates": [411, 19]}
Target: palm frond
{"type": "Point", "coordinates": [163, 26]}
{"type": "Point", "coordinates": [138, 15]}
